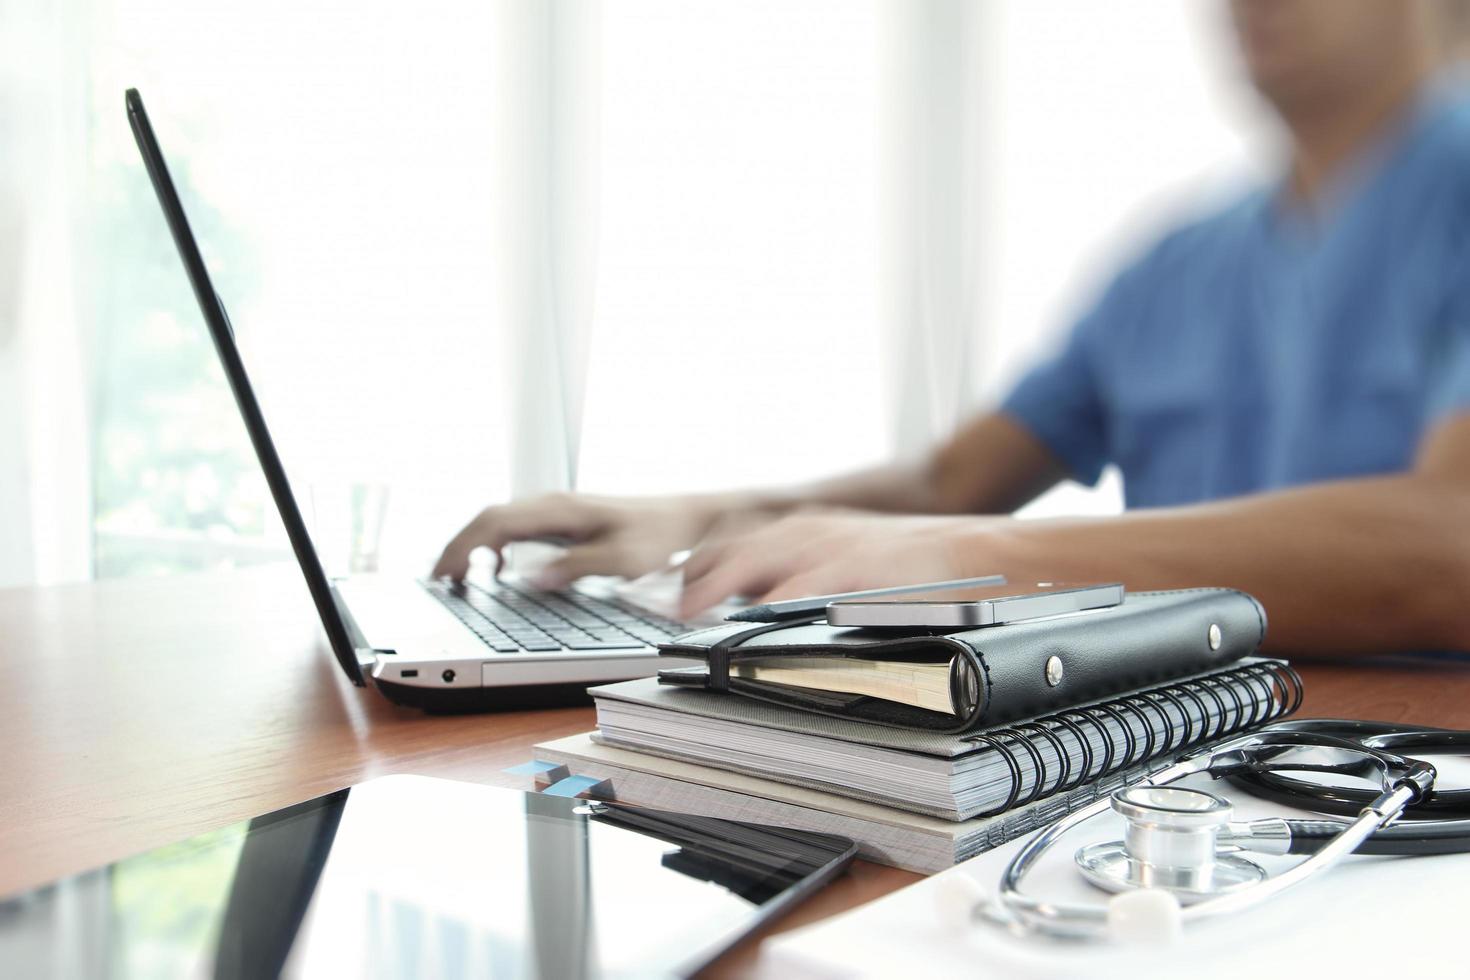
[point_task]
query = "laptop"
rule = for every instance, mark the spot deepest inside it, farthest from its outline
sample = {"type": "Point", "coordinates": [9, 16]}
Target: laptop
{"type": "Point", "coordinates": [432, 644]}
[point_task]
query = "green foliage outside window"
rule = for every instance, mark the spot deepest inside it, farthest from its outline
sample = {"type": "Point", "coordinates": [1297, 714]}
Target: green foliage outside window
{"type": "Point", "coordinates": [176, 485]}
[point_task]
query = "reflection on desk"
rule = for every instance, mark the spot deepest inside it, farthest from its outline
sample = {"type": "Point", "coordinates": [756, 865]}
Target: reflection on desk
{"type": "Point", "coordinates": [414, 877]}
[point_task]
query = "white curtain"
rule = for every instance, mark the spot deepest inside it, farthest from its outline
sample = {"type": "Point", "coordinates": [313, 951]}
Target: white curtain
{"type": "Point", "coordinates": [547, 184]}
{"type": "Point", "coordinates": [931, 76]}
{"type": "Point", "coordinates": [45, 501]}
{"type": "Point", "coordinates": [930, 190]}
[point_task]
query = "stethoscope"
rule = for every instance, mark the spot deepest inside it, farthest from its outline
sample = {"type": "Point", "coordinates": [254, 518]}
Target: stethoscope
{"type": "Point", "coordinates": [1181, 857]}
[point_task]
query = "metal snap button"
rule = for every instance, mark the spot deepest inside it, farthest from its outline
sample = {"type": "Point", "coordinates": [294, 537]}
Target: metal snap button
{"type": "Point", "coordinates": [1053, 670]}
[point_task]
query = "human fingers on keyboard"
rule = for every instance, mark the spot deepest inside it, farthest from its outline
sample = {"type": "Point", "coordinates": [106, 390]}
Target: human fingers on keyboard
{"type": "Point", "coordinates": [562, 516]}
{"type": "Point", "coordinates": [725, 533]}
{"type": "Point", "coordinates": [617, 555]}
{"type": "Point", "coordinates": [748, 565]}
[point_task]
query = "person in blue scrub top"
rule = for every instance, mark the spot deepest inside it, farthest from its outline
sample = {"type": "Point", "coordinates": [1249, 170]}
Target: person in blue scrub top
{"type": "Point", "coordinates": [1284, 384]}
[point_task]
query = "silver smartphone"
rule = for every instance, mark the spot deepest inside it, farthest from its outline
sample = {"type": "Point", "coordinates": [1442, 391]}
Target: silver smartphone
{"type": "Point", "coordinates": [971, 607]}
{"type": "Point", "coordinates": [810, 607]}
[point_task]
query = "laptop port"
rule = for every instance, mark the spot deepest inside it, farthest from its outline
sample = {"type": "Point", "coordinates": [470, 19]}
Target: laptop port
{"type": "Point", "coordinates": [408, 673]}
{"type": "Point", "coordinates": [448, 676]}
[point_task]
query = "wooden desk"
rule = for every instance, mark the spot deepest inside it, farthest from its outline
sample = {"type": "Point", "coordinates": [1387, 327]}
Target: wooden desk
{"type": "Point", "coordinates": [135, 713]}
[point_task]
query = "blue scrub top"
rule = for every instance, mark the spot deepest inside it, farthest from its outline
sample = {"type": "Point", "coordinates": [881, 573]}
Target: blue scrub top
{"type": "Point", "coordinates": [1259, 348]}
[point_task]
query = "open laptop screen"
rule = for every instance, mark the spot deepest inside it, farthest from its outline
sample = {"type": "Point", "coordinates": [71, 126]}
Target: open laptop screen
{"type": "Point", "coordinates": [224, 344]}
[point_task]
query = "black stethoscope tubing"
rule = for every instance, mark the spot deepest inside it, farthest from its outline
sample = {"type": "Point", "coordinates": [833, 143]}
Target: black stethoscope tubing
{"type": "Point", "coordinates": [1437, 824]}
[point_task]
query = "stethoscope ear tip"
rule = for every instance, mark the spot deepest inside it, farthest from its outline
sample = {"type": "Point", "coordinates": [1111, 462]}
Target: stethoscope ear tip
{"type": "Point", "coordinates": [1145, 916]}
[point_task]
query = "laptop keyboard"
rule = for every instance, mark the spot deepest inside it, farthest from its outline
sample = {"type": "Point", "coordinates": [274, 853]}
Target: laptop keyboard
{"type": "Point", "coordinates": [510, 620]}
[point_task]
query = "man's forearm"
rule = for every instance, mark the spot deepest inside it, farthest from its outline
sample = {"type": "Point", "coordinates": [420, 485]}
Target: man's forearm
{"type": "Point", "coordinates": [991, 466]}
{"type": "Point", "coordinates": [1360, 566]}
{"type": "Point", "coordinates": [894, 488]}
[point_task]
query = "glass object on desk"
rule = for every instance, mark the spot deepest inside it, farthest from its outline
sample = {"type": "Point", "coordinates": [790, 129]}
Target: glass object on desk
{"type": "Point", "coordinates": [347, 525]}
{"type": "Point", "coordinates": [411, 877]}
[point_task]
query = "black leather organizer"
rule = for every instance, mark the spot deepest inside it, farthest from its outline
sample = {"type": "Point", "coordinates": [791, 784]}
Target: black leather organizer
{"type": "Point", "coordinates": [998, 674]}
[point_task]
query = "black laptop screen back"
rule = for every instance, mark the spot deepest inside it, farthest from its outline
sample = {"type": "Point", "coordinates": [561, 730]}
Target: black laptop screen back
{"type": "Point", "coordinates": [224, 343]}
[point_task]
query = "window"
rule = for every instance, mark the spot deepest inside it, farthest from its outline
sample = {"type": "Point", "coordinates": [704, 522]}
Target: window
{"type": "Point", "coordinates": [335, 181]}
{"type": "Point", "coordinates": [337, 163]}
{"type": "Point", "coordinates": [736, 335]}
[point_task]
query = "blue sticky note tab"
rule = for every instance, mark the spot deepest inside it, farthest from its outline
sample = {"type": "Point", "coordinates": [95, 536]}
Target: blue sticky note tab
{"type": "Point", "coordinates": [572, 786]}
{"type": "Point", "coordinates": [532, 768]}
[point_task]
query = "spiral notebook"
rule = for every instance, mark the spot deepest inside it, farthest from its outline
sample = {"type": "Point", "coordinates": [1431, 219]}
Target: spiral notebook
{"type": "Point", "coordinates": [912, 841]}
{"type": "Point", "coordinates": [955, 777]}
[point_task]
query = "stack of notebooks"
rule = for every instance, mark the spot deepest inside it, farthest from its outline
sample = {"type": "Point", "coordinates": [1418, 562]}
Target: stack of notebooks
{"type": "Point", "coordinates": [838, 731]}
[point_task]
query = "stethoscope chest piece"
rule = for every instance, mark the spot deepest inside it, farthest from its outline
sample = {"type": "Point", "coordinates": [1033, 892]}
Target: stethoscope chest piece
{"type": "Point", "coordinates": [1180, 847]}
{"type": "Point", "coordinates": [1171, 842]}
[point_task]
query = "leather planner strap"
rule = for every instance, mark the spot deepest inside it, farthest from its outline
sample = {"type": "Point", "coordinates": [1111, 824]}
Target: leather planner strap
{"type": "Point", "coordinates": [719, 653]}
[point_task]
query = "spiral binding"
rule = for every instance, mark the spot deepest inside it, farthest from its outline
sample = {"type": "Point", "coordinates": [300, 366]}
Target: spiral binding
{"type": "Point", "coordinates": [1228, 701]}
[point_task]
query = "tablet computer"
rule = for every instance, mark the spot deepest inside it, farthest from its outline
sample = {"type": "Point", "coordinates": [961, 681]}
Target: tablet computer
{"type": "Point", "coordinates": [408, 876]}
